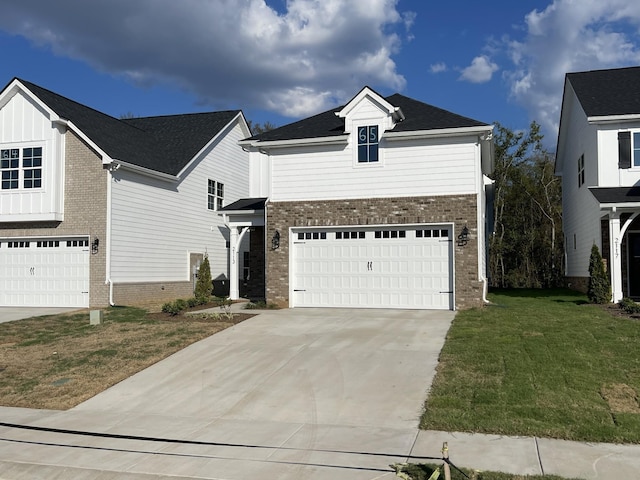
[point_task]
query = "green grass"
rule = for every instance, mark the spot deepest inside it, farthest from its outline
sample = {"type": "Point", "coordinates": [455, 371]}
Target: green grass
{"type": "Point", "coordinates": [539, 363]}
{"type": "Point", "coordinates": [424, 472]}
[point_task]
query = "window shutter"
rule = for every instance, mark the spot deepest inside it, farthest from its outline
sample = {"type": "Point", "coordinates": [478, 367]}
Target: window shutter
{"type": "Point", "coordinates": [624, 149]}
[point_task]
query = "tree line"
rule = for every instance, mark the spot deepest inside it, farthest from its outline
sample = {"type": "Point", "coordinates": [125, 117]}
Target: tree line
{"type": "Point", "coordinates": [526, 244]}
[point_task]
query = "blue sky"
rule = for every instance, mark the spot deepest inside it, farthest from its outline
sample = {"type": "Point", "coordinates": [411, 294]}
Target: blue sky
{"type": "Point", "coordinates": [277, 60]}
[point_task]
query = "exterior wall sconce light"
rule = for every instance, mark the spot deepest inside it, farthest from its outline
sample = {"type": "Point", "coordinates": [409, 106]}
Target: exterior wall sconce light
{"type": "Point", "coordinates": [94, 246]}
{"type": "Point", "coordinates": [275, 241]}
{"type": "Point", "coordinates": [463, 238]}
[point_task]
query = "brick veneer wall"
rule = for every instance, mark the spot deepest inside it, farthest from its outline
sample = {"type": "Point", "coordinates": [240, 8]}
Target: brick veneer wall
{"type": "Point", "coordinates": [457, 209]}
{"type": "Point", "coordinates": [85, 207]}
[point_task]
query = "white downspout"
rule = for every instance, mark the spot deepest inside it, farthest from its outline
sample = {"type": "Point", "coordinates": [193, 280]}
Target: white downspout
{"type": "Point", "coordinates": [111, 168]}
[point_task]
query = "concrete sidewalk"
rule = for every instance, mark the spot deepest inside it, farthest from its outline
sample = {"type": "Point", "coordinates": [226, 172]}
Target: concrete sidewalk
{"type": "Point", "coordinates": [290, 394]}
{"type": "Point", "coordinates": [242, 449]}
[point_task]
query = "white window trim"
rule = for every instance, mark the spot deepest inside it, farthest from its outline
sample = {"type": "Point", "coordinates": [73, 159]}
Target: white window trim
{"type": "Point", "coordinates": [218, 201]}
{"type": "Point", "coordinates": [354, 144]}
{"type": "Point", "coordinates": [21, 146]}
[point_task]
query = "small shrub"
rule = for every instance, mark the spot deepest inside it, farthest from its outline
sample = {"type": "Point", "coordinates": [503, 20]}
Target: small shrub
{"type": "Point", "coordinates": [599, 290]}
{"type": "Point", "coordinates": [181, 304]}
{"type": "Point", "coordinates": [193, 302]}
{"type": "Point", "coordinates": [629, 306]}
{"type": "Point", "coordinates": [260, 305]}
{"type": "Point", "coordinates": [204, 285]}
{"type": "Point", "coordinates": [171, 307]}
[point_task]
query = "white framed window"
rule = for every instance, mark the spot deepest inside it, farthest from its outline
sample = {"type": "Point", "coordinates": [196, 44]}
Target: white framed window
{"type": "Point", "coordinates": [368, 144]}
{"type": "Point", "coordinates": [581, 170]}
{"type": "Point", "coordinates": [635, 149]}
{"type": "Point", "coordinates": [215, 196]}
{"type": "Point", "coordinates": [21, 168]}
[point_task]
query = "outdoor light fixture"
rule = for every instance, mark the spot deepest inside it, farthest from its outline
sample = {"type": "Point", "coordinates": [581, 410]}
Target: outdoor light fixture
{"type": "Point", "coordinates": [275, 241]}
{"type": "Point", "coordinates": [463, 238]}
{"type": "Point", "coordinates": [94, 246]}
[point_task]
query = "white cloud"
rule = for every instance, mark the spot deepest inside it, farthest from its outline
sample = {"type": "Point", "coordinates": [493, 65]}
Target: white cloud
{"type": "Point", "coordinates": [243, 52]}
{"type": "Point", "coordinates": [438, 67]}
{"type": "Point", "coordinates": [568, 36]}
{"type": "Point", "coordinates": [480, 71]}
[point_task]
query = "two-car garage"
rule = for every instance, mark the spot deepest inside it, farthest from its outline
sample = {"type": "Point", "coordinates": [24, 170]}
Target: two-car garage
{"type": "Point", "coordinates": [50, 271]}
{"type": "Point", "coordinates": [393, 266]}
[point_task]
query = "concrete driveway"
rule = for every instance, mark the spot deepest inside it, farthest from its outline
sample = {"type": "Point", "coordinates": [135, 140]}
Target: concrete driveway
{"type": "Point", "coordinates": [301, 393]}
{"type": "Point", "coordinates": [9, 314]}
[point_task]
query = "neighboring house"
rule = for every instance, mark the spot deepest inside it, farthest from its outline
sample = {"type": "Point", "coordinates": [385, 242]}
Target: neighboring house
{"type": "Point", "coordinates": [380, 203]}
{"type": "Point", "coordinates": [598, 157]}
{"type": "Point", "coordinates": [97, 210]}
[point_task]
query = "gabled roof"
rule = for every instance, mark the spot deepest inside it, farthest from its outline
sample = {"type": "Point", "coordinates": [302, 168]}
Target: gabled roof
{"type": "Point", "coordinates": [607, 92]}
{"type": "Point", "coordinates": [164, 144]}
{"type": "Point", "coordinates": [418, 116]}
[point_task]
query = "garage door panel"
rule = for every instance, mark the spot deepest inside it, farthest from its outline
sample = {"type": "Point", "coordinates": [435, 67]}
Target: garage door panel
{"type": "Point", "coordinates": [392, 266]}
{"type": "Point", "coordinates": [44, 272]}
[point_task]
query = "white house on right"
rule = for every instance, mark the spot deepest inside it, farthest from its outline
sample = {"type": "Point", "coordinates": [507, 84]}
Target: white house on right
{"type": "Point", "coordinates": [598, 157]}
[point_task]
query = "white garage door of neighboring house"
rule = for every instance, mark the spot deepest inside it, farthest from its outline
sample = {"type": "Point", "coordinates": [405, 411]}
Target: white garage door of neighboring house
{"type": "Point", "coordinates": [44, 272]}
{"type": "Point", "coordinates": [376, 267]}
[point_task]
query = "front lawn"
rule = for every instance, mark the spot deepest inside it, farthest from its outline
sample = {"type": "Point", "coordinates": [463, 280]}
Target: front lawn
{"type": "Point", "coordinates": [58, 361]}
{"type": "Point", "coordinates": [539, 363]}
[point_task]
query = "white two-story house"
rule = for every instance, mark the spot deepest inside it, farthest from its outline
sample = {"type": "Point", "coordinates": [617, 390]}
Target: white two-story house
{"type": "Point", "coordinates": [96, 210]}
{"type": "Point", "coordinates": [598, 157]}
{"type": "Point", "coordinates": [380, 203]}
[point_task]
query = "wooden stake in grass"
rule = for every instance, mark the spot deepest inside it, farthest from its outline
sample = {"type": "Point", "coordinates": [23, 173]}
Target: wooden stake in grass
{"type": "Point", "coordinates": [445, 456]}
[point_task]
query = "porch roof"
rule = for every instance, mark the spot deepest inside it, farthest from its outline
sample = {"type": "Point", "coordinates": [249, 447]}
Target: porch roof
{"type": "Point", "coordinates": [244, 205]}
{"type": "Point", "coordinates": [612, 196]}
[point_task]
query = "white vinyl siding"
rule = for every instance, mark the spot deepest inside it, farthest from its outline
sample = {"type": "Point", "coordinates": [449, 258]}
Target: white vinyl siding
{"type": "Point", "coordinates": [157, 224]}
{"type": "Point", "coordinates": [411, 168]}
{"type": "Point", "coordinates": [23, 124]}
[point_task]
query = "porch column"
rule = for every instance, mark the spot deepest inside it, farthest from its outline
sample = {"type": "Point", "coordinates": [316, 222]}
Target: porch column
{"type": "Point", "coordinates": [615, 265]}
{"type": "Point", "coordinates": [236, 235]}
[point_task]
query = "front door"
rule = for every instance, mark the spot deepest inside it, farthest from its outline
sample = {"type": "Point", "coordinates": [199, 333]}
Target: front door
{"type": "Point", "coordinates": [633, 240]}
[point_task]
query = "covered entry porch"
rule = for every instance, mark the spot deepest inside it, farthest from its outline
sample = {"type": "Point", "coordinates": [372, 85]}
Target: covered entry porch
{"type": "Point", "coordinates": [620, 234]}
{"type": "Point", "coordinates": [246, 217]}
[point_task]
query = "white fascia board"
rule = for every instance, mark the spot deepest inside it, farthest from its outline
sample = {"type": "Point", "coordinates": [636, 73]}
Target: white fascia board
{"type": "Point", "coordinates": [15, 86]}
{"type": "Point", "coordinates": [223, 131]}
{"type": "Point", "coordinates": [366, 92]}
{"type": "Point", "coordinates": [334, 140]}
{"type": "Point", "coordinates": [106, 159]}
{"type": "Point", "coordinates": [439, 132]}
{"type": "Point", "coordinates": [145, 171]}
{"type": "Point", "coordinates": [619, 206]}
{"type": "Point", "coordinates": [613, 118]}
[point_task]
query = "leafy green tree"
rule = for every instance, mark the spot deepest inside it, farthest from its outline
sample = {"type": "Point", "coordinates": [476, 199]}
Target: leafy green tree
{"type": "Point", "coordinates": [526, 248]}
{"type": "Point", "coordinates": [599, 290]}
{"type": "Point", "coordinates": [204, 284]}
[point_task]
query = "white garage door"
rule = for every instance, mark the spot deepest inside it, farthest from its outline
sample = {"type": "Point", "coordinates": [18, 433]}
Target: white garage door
{"type": "Point", "coordinates": [47, 272]}
{"type": "Point", "coordinates": [385, 267]}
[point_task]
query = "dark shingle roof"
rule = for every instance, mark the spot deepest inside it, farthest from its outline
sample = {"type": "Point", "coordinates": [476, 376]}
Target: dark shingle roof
{"type": "Point", "coordinates": [418, 116]}
{"type": "Point", "coordinates": [245, 204]}
{"type": "Point", "coordinates": [165, 144]}
{"type": "Point", "coordinates": [608, 92]}
{"type": "Point", "coordinates": [616, 194]}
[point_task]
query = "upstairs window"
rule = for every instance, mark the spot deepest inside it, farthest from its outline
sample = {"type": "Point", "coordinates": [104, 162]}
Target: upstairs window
{"type": "Point", "coordinates": [636, 149]}
{"type": "Point", "coordinates": [215, 196]}
{"type": "Point", "coordinates": [368, 144]}
{"type": "Point", "coordinates": [580, 170]}
{"type": "Point", "coordinates": [21, 168]}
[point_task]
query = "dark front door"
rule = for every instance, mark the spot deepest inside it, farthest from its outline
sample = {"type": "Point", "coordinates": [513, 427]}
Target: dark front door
{"type": "Point", "coordinates": [634, 264]}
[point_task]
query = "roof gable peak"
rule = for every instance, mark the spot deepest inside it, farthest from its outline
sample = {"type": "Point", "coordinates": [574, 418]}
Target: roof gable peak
{"type": "Point", "coordinates": [371, 95]}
